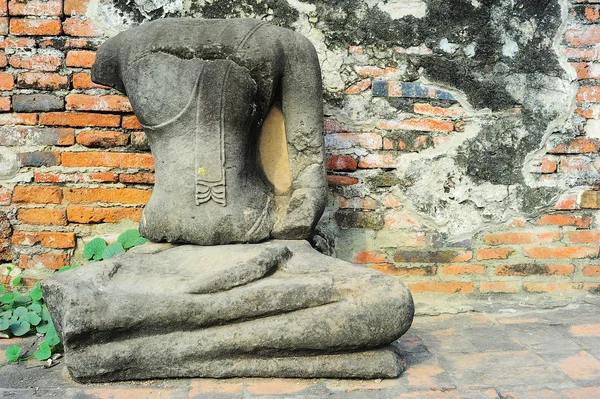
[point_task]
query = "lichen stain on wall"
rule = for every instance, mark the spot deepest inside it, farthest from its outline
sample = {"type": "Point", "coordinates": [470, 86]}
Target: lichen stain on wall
{"type": "Point", "coordinates": [498, 61]}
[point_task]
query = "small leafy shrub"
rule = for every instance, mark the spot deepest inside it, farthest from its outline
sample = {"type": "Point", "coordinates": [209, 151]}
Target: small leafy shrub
{"type": "Point", "coordinates": [21, 313]}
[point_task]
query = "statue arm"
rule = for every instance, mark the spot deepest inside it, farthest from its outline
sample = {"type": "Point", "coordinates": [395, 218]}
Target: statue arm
{"type": "Point", "coordinates": [302, 106]}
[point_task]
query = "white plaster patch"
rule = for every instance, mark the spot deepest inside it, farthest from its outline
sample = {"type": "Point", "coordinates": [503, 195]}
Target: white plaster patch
{"type": "Point", "coordinates": [447, 47]}
{"type": "Point", "coordinates": [475, 3]}
{"type": "Point", "coordinates": [510, 48]}
{"type": "Point", "coordinates": [592, 128]}
{"type": "Point", "coordinates": [470, 50]}
{"type": "Point", "coordinates": [401, 8]}
{"type": "Point", "coordinates": [302, 7]}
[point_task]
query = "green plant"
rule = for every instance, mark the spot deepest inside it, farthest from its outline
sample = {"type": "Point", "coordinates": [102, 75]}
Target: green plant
{"type": "Point", "coordinates": [21, 313]}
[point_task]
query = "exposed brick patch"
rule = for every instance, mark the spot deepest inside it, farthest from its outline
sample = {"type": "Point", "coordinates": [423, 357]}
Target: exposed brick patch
{"type": "Point", "coordinates": [337, 180]}
{"type": "Point", "coordinates": [22, 136]}
{"type": "Point", "coordinates": [81, 58]}
{"type": "Point", "coordinates": [106, 195]}
{"type": "Point", "coordinates": [79, 119]}
{"type": "Point", "coordinates": [561, 252]}
{"type": "Point", "coordinates": [35, 7]}
{"type": "Point", "coordinates": [37, 194]}
{"type": "Point", "coordinates": [75, 7]}
{"type": "Point", "coordinates": [534, 269]}
{"type": "Point", "coordinates": [395, 270]}
{"type": "Point", "coordinates": [35, 27]}
{"type": "Point", "coordinates": [137, 178]}
{"type": "Point", "coordinates": [458, 269]}
{"type": "Point", "coordinates": [47, 261]}
{"type": "Point", "coordinates": [48, 216]}
{"type": "Point", "coordinates": [364, 257]}
{"type": "Point", "coordinates": [37, 102]}
{"type": "Point", "coordinates": [38, 62]}
{"type": "Point", "coordinates": [99, 177]}
{"type": "Point", "coordinates": [494, 253]}
{"type": "Point", "coordinates": [42, 81]}
{"type": "Point", "coordinates": [81, 27]}
{"type": "Point", "coordinates": [102, 139]}
{"type": "Point", "coordinates": [521, 237]}
{"type": "Point", "coordinates": [341, 163]}
{"type": "Point", "coordinates": [565, 220]}
{"type": "Point", "coordinates": [347, 219]}
{"type": "Point", "coordinates": [110, 103]}
{"type": "Point", "coordinates": [108, 159]}
{"type": "Point", "coordinates": [500, 287]}
{"type": "Point", "coordinates": [83, 80]}
{"type": "Point", "coordinates": [45, 239]}
{"type": "Point", "coordinates": [591, 271]}
{"type": "Point", "coordinates": [441, 287]}
{"type": "Point", "coordinates": [81, 214]}
{"type": "Point", "coordinates": [131, 122]}
{"type": "Point", "coordinates": [39, 158]}
{"type": "Point", "coordinates": [424, 256]}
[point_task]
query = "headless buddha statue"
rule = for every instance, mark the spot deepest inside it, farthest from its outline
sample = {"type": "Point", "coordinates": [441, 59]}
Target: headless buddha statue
{"type": "Point", "coordinates": [250, 297]}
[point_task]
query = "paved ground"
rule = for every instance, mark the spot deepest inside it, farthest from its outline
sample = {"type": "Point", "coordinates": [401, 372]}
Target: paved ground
{"type": "Point", "coordinates": [515, 348]}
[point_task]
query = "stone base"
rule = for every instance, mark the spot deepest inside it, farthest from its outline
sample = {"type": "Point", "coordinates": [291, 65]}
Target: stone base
{"type": "Point", "coordinates": [276, 309]}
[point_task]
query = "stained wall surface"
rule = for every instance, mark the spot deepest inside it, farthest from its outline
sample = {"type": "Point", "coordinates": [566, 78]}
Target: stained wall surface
{"type": "Point", "coordinates": [462, 136]}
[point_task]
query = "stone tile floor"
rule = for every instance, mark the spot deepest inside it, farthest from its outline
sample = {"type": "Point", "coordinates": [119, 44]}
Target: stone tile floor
{"type": "Point", "coordinates": [510, 348]}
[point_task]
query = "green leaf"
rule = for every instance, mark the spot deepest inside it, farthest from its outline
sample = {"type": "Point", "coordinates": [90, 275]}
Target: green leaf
{"type": "Point", "coordinates": [42, 328]}
{"type": "Point", "coordinates": [2, 289]}
{"type": "Point", "coordinates": [7, 298]}
{"type": "Point", "coordinates": [35, 307]}
{"type": "Point", "coordinates": [23, 298]}
{"type": "Point", "coordinates": [45, 314]}
{"type": "Point", "coordinates": [112, 250]}
{"type": "Point", "coordinates": [36, 293]}
{"type": "Point", "coordinates": [140, 241]}
{"type": "Point", "coordinates": [13, 353]}
{"type": "Point", "coordinates": [33, 318]}
{"type": "Point", "coordinates": [63, 269]}
{"type": "Point", "coordinates": [128, 238]}
{"type": "Point", "coordinates": [52, 336]}
{"type": "Point", "coordinates": [44, 352]}
{"type": "Point", "coordinates": [16, 280]}
{"type": "Point", "coordinates": [20, 311]}
{"type": "Point", "coordinates": [4, 323]}
{"type": "Point", "coordinates": [20, 329]}
{"type": "Point", "coordinates": [94, 249]}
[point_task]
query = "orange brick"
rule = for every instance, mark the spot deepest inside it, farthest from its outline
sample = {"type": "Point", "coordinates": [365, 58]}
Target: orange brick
{"type": "Point", "coordinates": [3, 7]}
{"type": "Point", "coordinates": [369, 70]}
{"type": "Point", "coordinates": [81, 27]}
{"type": "Point", "coordinates": [370, 257]}
{"type": "Point", "coordinates": [131, 122]}
{"type": "Point", "coordinates": [561, 252]}
{"type": "Point", "coordinates": [18, 119]}
{"type": "Point", "coordinates": [446, 287]}
{"type": "Point", "coordinates": [356, 202]}
{"type": "Point", "coordinates": [34, 27]}
{"type": "Point", "coordinates": [99, 177]}
{"type": "Point", "coordinates": [5, 103]}
{"type": "Point", "coordinates": [591, 271]}
{"type": "Point", "coordinates": [341, 163]}
{"type": "Point", "coordinates": [46, 239]}
{"type": "Point", "coordinates": [138, 178]}
{"type": "Point", "coordinates": [563, 287]}
{"type": "Point", "coordinates": [39, 62]}
{"type": "Point", "coordinates": [359, 87]}
{"type": "Point", "coordinates": [565, 220]}
{"type": "Point", "coordinates": [592, 14]}
{"type": "Point", "coordinates": [428, 109]}
{"type": "Point", "coordinates": [81, 214]}
{"type": "Point", "coordinates": [421, 124]}
{"type": "Point", "coordinates": [579, 145]}
{"type": "Point", "coordinates": [6, 81]}
{"type": "Point", "coordinates": [79, 119]}
{"type": "Point", "coordinates": [108, 159]}
{"type": "Point", "coordinates": [566, 202]}
{"type": "Point", "coordinates": [534, 269]}
{"type": "Point", "coordinates": [388, 268]}
{"type": "Point", "coordinates": [336, 180]}
{"type": "Point", "coordinates": [521, 238]}
{"type": "Point", "coordinates": [103, 139]}
{"type": "Point", "coordinates": [75, 7]}
{"type": "Point", "coordinates": [584, 236]}
{"type": "Point", "coordinates": [107, 195]}
{"type": "Point", "coordinates": [47, 261]}
{"type": "Point", "coordinates": [83, 80]}
{"type": "Point", "coordinates": [42, 216]}
{"type": "Point", "coordinates": [17, 42]}
{"type": "Point", "coordinates": [580, 37]}
{"type": "Point", "coordinates": [35, 7]}
{"type": "Point", "coordinates": [81, 58]}
{"type": "Point", "coordinates": [498, 287]}
{"type": "Point", "coordinates": [3, 60]}
{"type": "Point", "coordinates": [42, 81]}
{"type": "Point", "coordinates": [5, 196]}
{"type": "Point", "coordinates": [386, 161]}
{"type": "Point", "coordinates": [37, 194]}
{"type": "Point", "coordinates": [84, 102]}
{"type": "Point", "coordinates": [494, 253]}
{"type": "Point", "coordinates": [462, 269]}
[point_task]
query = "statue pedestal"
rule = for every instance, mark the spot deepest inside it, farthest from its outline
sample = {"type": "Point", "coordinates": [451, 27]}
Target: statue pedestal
{"type": "Point", "coordinates": [275, 309]}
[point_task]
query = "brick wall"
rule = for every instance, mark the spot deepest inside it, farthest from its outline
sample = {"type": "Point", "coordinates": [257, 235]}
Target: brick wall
{"type": "Point", "coordinates": [85, 165]}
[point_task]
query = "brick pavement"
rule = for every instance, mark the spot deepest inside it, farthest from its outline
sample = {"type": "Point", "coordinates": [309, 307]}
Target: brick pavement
{"type": "Point", "coordinates": [519, 348]}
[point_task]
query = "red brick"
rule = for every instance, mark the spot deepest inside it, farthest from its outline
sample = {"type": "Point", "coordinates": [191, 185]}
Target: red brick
{"type": "Point", "coordinates": [137, 178]}
{"type": "Point", "coordinates": [356, 202]}
{"type": "Point", "coordinates": [81, 27]}
{"type": "Point", "coordinates": [35, 7]}
{"type": "Point", "coordinates": [37, 194]}
{"type": "Point", "coordinates": [98, 177]}
{"type": "Point", "coordinates": [421, 124]}
{"type": "Point", "coordinates": [423, 256]}
{"type": "Point", "coordinates": [80, 214]}
{"type": "Point", "coordinates": [46, 239]}
{"type": "Point", "coordinates": [401, 220]}
{"type": "Point", "coordinates": [336, 180]}
{"type": "Point", "coordinates": [75, 7]}
{"type": "Point", "coordinates": [588, 94]}
{"type": "Point", "coordinates": [140, 141]}
{"type": "Point", "coordinates": [17, 42]}
{"type": "Point", "coordinates": [103, 139]}
{"type": "Point", "coordinates": [560, 219]}
{"type": "Point", "coordinates": [4, 103]}
{"type": "Point", "coordinates": [534, 269]}
{"type": "Point", "coordinates": [81, 43]}
{"type": "Point", "coordinates": [369, 70]}
{"type": "Point", "coordinates": [18, 119]}
{"type": "Point", "coordinates": [579, 145]}
{"type": "Point", "coordinates": [81, 58]}
{"type": "Point", "coordinates": [567, 202]}
{"type": "Point", "coordinates": [3, 7]}
{"type": "Point", "coordinates": [333, 126]}
{"type": "Point", "coordinates": [583, 236]}
{"type": "Point", "coordinates": [42, 81]}
{"type": "Point", "coordinates": [544, 166]}
{"type": "Point", "coordinates": [48, 261]}
{"type": "Point", "coordinates": [591, 271]}
{"type": "Point", "coordinates": [34, 27]}
{"type": "Point", "coordinates": [42, 216]}
{"type": "Point", "coordinates": [561, 252]}
{"type": "Point", "coordinates": [388, 268]}
{"type": "Point", "coordinates": [580, 37]}
{"type": "Point", "coordinates": [521, 238]}
{"type": "Point", "coordinates": [6, 81]}
{"type": "Point", "coordinates": [108, 159]}
{"type": "Point", "coordinates": [494, 253]}
{"type": "Point", "coordinates": [457, 270]}
{"type": "Point", "coordinates": [3, 60]}
{"type": "Point", "coordinates": [83, 80]}
{"type": "Point", "coordinates": [386, 161]}
{"type": "Point", "coordinates": [592, 14]}
{"type": "Point", "coordinates": [341, 163]}
{"type": "Point", "coordinates": [131, 122]}
{"type": "Point", "coordinates": [38, 62]}
{"type": "Point", "coordinates": [351, 140]}
{"type": "Point", "coordinates": [106, 195]}
{"type": "Point", "coordinates": [574, 53]}
{"type": "Point", "coordinates": [79, 119]}
{"type": "Point", "coordinates": [359, 87]}
{"type": "Point", "coordinates": [498, 287]}
{"type": "Point", "coordinates": [441, 287]}
{"type": "Point", "coordinates": [5, 196]}
{"type": "Point", "coordinates": [355, 50]}
{"type": "Point", "coordinates": [364, 257]}
{"type": "Point", "coordinates": [84, 102]}
{"type": "Point", "coordinates": [428, 109]}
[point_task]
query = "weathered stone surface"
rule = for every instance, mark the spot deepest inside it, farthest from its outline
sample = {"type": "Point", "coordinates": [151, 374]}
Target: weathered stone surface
{"type": "Point", "coordinates": [37, 102]}
{"type": "Point", "coordinates": [278, 308]}
{"type": "Point", "coordinates": [203, 126]}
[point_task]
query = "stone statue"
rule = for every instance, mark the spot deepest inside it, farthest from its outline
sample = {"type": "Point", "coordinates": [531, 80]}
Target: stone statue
{"type": "Point", "coordinates": [233, 114]}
